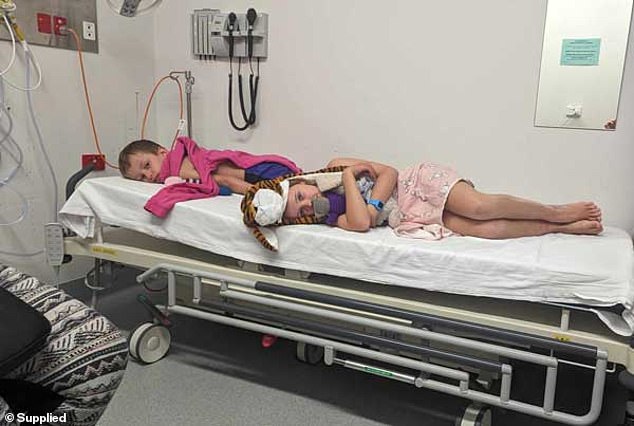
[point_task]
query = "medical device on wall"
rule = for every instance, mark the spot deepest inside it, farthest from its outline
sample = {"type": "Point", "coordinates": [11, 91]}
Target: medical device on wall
{"type": "Point", "coordinates": [211, 34]}
{"type": "Point", "coordinates": [132, 8]}
{"type": "Point", "coordinates": [9, 147]}
{"type": "Point", "coordinates": [233, 35]}
{"type": "Point", "coordinates": [46, 23]}
{"type": "Point", "coordinates": [189, 82]}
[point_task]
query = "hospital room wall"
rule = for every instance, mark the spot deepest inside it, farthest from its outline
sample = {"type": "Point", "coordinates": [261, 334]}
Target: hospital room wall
{"type": "Point", "coordinates": [123, 66]}
{"type": "Point", "coordinates": [568, 85]}
{"type": "Point", "coordinates": [405, 81]}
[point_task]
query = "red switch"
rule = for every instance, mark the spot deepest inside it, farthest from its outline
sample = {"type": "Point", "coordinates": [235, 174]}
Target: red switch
{"type": "Point", "coordinates": [99, 161]}
{"type": "Point", "coordinates": [44, 23]}
{"type": "Point", "coordinates": [59, 22]}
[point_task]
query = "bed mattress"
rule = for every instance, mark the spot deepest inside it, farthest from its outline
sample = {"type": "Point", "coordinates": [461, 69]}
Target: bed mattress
{"type": "Point", "coordinates": [558, 268]}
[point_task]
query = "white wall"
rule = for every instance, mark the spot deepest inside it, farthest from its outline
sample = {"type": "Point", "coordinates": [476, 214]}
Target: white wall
{"type": "Point", "coordinates": [595, 88]}
{"type": "Point", "coordinates": [124, 65]}
{"type": "Point", "coordinates": [454, 82]}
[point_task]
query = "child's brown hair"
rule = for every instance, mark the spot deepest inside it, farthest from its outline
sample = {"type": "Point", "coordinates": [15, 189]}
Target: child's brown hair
{"type": "Point", "coordinates": [141, 145]}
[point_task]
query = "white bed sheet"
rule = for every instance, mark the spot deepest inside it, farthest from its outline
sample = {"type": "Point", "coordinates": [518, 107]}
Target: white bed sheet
{"type": "Point", "coordinates": [589, 270]}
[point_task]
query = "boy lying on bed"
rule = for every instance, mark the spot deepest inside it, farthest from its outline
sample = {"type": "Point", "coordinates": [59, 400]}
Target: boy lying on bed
{"type": "Point", "coordinates": [427, 201]}
{"type": "Point", "coordinates": [193, 172]}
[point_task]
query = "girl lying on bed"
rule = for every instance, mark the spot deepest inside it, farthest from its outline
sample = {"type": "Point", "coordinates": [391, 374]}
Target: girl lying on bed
{"type": "Point", "coordinates": [425, 201]}
{"type": "Point", "coordinates": [193, 172]}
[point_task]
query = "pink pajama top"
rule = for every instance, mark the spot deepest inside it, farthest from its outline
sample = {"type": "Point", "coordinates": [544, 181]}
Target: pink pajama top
{"type": "Point", "coordinates": [205, 161]}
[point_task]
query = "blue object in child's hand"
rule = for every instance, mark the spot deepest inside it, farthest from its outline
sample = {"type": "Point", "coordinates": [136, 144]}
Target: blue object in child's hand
{"type": "Point", "coordinates": [224, 190]}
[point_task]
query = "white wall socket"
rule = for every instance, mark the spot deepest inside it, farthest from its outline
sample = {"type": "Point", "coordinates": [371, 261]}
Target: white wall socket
{"type": "Point", "coordinates": [573, 111]}
{"type": "Point", "coordinates": [90, 32]}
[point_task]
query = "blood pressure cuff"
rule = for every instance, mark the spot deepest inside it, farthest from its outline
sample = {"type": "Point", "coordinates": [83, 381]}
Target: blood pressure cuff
{"type": "Point", "coordinates": [23, 331]}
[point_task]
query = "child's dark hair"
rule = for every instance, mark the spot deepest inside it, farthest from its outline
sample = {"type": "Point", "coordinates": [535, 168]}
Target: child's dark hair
{"type": "Point", "coordinates": [141, 145]}
{"type": "Point", "coordinates": [296, 181]}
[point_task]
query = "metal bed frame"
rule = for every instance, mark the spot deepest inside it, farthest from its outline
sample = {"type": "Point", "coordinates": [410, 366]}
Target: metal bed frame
{"type": "Point", "coordinates": [427, 345]}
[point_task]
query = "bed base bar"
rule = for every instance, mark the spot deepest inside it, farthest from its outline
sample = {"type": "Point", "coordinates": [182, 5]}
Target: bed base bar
{"type": "Point", "coordinates": [428, 321]}
{"type": "Point", "coordinates": [456, 382]}
{"type": "Point", "coordinates": [356, 337]}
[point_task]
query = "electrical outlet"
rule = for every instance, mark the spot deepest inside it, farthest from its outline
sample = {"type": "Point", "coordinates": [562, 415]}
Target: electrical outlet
{"type": "Point", "coordinates": [90, 32]}
{"type": "Point", "coordinates": [573, 111]}
{"type": "Point", "coordinates": [99, 160]}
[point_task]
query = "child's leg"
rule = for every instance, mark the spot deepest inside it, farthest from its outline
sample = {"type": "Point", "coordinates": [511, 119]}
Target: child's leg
{"type": "Point", "coordinates": [509, 228]}
{"type": "Point", "coordinates": [465, 201]}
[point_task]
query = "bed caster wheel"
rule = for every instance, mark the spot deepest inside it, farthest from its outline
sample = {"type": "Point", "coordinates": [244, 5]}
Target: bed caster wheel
{"type": "Point", "coordinates": [475, 415]}
{"type": "Point", "coordinates": [309, 354]}
{"type": "Point", "coordinates": [149, 342]}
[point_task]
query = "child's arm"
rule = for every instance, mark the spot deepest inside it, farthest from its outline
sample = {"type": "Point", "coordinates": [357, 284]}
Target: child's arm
{"type": "Point", "coordinates": [357, 216]}
{"type": "Point", "coordinates": [237, 185]}
{"type": "Point", "coordinates": [384, 185]}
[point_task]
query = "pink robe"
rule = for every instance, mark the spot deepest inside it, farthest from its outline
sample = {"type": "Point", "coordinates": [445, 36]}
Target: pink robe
{"type": "Point", "coordinates": [205, 161]}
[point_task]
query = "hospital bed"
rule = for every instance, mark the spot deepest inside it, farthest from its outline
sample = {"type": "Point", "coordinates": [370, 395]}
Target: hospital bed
{"type": "Point", "coordinates": [454, 315]}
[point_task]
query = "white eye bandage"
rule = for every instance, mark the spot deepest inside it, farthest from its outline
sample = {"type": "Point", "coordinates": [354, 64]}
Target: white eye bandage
{"type": "Point", "coordinates": [270, 205]}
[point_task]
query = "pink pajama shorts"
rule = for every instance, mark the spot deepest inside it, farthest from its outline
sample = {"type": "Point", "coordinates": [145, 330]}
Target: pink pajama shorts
{"type": "Point", "coordinates": [422, 193]}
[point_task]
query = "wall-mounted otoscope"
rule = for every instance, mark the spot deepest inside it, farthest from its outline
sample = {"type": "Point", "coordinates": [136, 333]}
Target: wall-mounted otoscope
{"type": "Point", "coordinates": [233, 35]}
{"type": "Point", "coordinates": [251, 17]}
{"type": "Point", "coordinates": [231, 27]}
{"type": "Point", "coordinates": [254, 80]}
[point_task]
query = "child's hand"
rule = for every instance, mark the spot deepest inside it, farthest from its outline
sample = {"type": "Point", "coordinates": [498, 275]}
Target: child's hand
{"type": "Point", "coordinates": [362, 168]}
{"type": "Point", "coordinates": [173, 180]}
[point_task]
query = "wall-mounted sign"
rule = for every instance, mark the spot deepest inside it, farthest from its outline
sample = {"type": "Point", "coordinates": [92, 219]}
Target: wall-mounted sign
{"type": "Point", "coordinates": [580, 51]}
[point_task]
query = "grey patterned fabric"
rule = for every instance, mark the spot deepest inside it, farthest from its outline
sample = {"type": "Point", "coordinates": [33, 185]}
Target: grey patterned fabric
{"type": "Point", "coordinates": [85, 355]}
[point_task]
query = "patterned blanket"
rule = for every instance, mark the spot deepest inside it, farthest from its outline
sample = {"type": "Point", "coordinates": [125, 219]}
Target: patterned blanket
{"type": "Point", "coordinates": [84, 358]}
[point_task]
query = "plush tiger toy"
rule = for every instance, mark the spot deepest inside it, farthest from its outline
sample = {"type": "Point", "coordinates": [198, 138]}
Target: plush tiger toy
{"type": "Point", "coordinates": [263, 204]}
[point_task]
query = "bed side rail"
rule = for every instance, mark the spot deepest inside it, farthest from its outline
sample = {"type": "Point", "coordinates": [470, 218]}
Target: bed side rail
{"type": "Point", "coordinates": [72, 181]}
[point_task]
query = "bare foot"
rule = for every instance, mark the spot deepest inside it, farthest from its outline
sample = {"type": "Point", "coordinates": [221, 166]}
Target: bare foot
{"type": "Point", "coordinates": [573, 212]}
{"type": "Point", "coordinates": [586, 227]}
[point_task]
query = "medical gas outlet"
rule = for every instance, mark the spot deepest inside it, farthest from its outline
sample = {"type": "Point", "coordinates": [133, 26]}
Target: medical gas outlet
{"type": "Point", "coordinates": [213, 33]}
